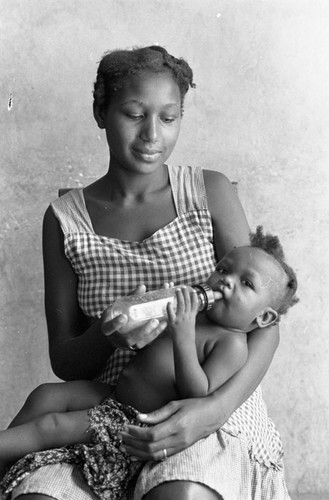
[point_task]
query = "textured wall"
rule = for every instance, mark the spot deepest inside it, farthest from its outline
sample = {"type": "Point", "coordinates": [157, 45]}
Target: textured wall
{"type": "Point", "coordinates": [259, 114]}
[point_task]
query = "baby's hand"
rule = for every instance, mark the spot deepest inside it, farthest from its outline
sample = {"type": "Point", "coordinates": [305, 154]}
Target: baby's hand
{"type": "Point", "coordinates": [182, 322]}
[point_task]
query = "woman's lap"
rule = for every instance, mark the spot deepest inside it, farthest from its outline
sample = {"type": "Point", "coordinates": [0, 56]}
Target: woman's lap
{"type": "Point", "coordinates": [60, 481]}
{"type": "Point", "coordinates": [220, 462]}
{"type": "Point", "coordinates": [211, 462]}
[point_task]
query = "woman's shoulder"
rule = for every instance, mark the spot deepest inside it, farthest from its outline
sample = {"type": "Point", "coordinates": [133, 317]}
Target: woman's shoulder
{"type": "Point", "coordinates": [215, 178]}
{"type": "Point", "coordinates": [218, 186]}
{"type": "Point", "coordinates": [70, 211]}
{"type": "Point", "coordinates": [195, 171]}
{"type": "Point", "coordinates": [229, 220]}
{"type": "Point", "coordinates": [199, 187]}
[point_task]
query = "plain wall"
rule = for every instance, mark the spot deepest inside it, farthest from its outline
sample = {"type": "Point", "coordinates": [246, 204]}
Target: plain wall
{"type": "Point", "coordinates": [259, 114]}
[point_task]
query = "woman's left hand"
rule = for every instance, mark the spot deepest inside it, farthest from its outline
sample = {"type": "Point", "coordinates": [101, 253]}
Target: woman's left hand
{"type": "Point", "coordinates": [173, 428]}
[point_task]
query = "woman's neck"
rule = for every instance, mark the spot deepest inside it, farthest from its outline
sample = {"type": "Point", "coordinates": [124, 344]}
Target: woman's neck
{"type": "Point", "coordinates": [128, 187]}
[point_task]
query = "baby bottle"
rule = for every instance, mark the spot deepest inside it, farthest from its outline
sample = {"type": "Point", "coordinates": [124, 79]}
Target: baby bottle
{"type": "Point", "coordinates": [139, 309]}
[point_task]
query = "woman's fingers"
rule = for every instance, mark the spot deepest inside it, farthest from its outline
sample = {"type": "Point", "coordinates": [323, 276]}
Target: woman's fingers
{"type": "Point", "coordinates": [110, 328]}
{"type": "Point", "coordinates": [140, 290]}
{"type": "Point", "coordinates": [138, 453]}
{"type": "Point", "coordinates": [167, 285]}
{"type": "Point", "coordinates": [146, 334]}
{"type": "Point", "coordinates": [160, 415]}
{"type": "Point", "coordinates": [144, 447]}
{"type": "Point", "coordinates": [176, 426]}
{"type": "Point", "coordinates": [112, 325]}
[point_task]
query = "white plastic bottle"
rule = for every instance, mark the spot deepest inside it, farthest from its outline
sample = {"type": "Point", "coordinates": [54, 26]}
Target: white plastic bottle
{"type": "Point", "coordinates": [140, 309]}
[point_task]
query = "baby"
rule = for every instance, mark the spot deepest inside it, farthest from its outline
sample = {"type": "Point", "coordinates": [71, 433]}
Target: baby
{"type": "Point", "coordinates": [80, 422]}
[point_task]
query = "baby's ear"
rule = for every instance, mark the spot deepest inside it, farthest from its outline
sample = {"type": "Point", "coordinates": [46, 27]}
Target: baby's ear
{"type": "Point", "coordinates": [266, 318]}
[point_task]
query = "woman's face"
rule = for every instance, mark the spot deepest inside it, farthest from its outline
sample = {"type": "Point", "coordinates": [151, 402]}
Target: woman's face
{"type": "Point", "coordinates": [142, 122]}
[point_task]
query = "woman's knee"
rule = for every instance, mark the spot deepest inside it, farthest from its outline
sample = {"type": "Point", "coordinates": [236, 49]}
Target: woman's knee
{"type": "Point", "coordinates": [34, 496]}
{"type": "Point", "coordinates": [184, 490]}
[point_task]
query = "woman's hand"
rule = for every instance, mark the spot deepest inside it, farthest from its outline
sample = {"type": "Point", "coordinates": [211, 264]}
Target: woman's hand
{"type": "Point", "coordinates": [136, 339]}
{"type": "Point", "coordinates": [174, 427]}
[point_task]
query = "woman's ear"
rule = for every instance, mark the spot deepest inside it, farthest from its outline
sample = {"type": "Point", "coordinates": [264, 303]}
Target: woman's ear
{"type": "Point", "coordinates": [266, 318]}
{"type": "Point", "coordinates": [99, 116]}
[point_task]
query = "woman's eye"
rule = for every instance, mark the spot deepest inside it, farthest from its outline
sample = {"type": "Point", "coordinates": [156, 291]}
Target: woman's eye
{"type": "Point", "coordinates": [134, 117]}
{"type": "Point", "coordinates": [168, 119]}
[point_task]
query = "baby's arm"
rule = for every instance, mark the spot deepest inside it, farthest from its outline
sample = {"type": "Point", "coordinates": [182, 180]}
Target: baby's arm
{"type": "Point", "coordinates": [227, 356]}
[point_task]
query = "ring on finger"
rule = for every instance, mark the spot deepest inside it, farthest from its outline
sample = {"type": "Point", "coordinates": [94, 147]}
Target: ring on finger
{"type": "Point", "coordinates": [133, 348]}
{"type": "Point", "coordinates": [165, 454]}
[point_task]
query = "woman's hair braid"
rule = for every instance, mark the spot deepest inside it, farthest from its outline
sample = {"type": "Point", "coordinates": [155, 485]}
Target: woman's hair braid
{"type": "Point", "coordinates": [117, 66]}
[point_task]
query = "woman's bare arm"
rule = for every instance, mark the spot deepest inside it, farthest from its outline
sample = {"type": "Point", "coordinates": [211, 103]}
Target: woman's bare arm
{"type": "Point", "coordinates": [77, 348]}
{"type": "Point", "coordinates": [230, 225]}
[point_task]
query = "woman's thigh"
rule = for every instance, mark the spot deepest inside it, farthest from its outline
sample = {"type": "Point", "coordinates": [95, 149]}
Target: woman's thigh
{"type": "Point", "coordinates": [34, 496]}
{"type": "Point", "coordinates": [182, 490]}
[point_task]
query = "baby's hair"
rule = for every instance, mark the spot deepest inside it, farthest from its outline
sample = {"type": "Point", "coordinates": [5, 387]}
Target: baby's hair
{"type": "Point", "coordinates": [272, 246]}
{"type": "Point", "coordinates": [118, 65]}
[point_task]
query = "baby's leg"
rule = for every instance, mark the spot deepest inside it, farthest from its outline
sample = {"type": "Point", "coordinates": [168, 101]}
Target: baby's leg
{"type": "Point", "coordinates": [60, 398]}
{"type": "Point", "coordinates": [52, 430]}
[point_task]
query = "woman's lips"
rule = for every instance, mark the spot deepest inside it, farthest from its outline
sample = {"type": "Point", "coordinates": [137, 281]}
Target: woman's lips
{"type": "Point", "coordinates": [148, 155]}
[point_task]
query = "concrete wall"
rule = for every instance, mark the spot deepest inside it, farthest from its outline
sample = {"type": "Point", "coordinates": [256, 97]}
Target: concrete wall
{"type": "Point", "coordinates": [259, 114]}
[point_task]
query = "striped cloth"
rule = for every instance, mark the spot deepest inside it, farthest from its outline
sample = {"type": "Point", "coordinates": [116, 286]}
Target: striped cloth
{"type": "Point", "coordinates": [242, 461]}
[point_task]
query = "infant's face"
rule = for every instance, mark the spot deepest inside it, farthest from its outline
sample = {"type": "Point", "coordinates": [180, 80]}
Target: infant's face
{"type": "Point", "coordinates": [249, 280]}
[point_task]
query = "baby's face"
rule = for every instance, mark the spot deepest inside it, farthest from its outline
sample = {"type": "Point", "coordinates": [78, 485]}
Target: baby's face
{"type": "Point", "coordinates": [249, 280]}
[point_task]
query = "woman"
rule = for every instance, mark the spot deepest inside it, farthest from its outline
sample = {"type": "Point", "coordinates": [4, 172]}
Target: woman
{"type": "Point", "coordinates": [147, 222]}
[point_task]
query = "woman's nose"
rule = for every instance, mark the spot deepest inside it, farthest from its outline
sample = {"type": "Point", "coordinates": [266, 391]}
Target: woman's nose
{"type": "Point", "coordinates": [150, 132]}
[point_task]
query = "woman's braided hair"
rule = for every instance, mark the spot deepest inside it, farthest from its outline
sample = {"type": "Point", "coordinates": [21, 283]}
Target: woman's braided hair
{"type": "Point", "coordinates": [272, 246]}
{"type": "Point", "coordinates": [117, 66]}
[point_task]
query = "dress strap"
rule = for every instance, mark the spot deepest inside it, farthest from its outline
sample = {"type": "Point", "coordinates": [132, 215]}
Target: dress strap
{"type": "Point", "coordinates": [70, 209]}
{"type": "Point", "coordinates": [188, 188]}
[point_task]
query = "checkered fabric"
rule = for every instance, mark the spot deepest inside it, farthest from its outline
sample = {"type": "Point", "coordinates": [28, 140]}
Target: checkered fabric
{"type": "Point", "coordinates": [252, 424]}
{"type": "Point", "coordinates": [108, 268]}
{"type": "Point", "coordinates": [223, 463]}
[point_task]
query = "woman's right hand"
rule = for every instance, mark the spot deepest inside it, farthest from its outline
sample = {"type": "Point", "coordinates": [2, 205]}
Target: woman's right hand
{"type": "Point", "coordinates": [173, 428]}
{"type": "Point", "coordinates": [136, 339]}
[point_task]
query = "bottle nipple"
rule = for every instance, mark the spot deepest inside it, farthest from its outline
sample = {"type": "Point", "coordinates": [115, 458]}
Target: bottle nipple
{"type": "Point", "coordinates": [218, 295]}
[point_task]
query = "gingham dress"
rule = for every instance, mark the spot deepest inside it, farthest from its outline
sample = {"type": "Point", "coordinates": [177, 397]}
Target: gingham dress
{"type": "Point", "coordinates": [243, 460]}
